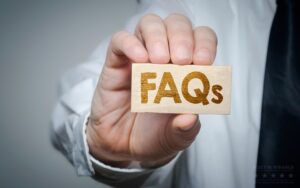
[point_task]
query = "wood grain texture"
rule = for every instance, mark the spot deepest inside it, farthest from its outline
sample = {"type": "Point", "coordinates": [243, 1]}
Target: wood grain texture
{"type": "Point", "coordinates": [169, 88]}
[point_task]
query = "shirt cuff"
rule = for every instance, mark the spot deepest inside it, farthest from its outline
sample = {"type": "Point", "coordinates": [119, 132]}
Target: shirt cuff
{"type": "Point", "coordinates": [81, 160]}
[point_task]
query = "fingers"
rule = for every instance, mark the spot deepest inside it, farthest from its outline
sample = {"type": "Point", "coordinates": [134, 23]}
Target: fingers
{"type": "Point", "coordinates": [205, 46]}
{"type": "Point", "coordinates": [181, 39]}
{"type": "Point", "coordinates": [125, 46]}
{"type": "Point", "coordinates": [151, 30]}
{"type": "Point", "coordinates": [173, 38]}
{"type": "Point", "coordinates": [182, 131]}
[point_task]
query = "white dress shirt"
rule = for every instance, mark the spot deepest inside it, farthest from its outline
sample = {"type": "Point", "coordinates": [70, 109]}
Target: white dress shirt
{"type": "Point", "coordinates": [225, 151]}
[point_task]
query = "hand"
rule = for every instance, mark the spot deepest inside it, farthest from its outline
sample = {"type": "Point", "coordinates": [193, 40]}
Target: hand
{"type": "Point", "coordinates": [115, 135]}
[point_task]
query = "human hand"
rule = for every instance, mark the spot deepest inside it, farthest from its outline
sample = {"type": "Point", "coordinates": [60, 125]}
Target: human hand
{"type": "Point", "coordinates": [115, 135]}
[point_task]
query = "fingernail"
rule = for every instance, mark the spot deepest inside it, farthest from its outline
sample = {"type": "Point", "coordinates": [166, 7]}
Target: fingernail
{"type": "Point", "coordinates": [160, 52]}
{"type": "Point", "coordinates": [139, 52]}
{"type": "Point", "coordinates": [187, 128]}
{"type": "Point", "coordinates": [183, 53]}
{"type": "Point", "coordinates": [203, 55]}
{"type": "Point", "coordinates": [159, 49]}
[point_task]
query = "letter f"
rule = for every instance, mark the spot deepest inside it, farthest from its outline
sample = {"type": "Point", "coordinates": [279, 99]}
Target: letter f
{"type": "Point", "coordinates": [145, 86]}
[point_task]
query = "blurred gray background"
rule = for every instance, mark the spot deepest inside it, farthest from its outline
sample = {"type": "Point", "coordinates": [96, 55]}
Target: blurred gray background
{"type": "Point", "coordinates": [39, 41]}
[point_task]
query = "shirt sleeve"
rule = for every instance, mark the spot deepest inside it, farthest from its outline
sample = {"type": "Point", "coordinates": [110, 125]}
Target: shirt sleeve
{"type": "Point", "coordinates": [72, 109]}
{"type": "Point", "coordinates": [70, 114]}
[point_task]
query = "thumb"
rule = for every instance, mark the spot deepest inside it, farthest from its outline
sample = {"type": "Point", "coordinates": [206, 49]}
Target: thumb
{"type": "Point", "coordinates": [182, 131]}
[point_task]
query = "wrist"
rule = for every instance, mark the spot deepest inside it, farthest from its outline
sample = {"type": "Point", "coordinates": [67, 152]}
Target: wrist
{"type": "Point", "coordinates": [97, 152]}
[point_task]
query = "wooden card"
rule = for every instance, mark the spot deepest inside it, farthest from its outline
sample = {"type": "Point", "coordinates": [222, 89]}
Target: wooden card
{"type": "Point", "coordinates": [169, 88]}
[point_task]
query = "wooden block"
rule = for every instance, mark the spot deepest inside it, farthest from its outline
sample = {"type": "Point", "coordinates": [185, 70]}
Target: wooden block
{"type": "Point", "coordinates": [169, 88]}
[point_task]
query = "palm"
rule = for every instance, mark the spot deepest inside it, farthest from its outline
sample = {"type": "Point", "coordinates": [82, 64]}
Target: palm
{"type": "Point", "coordinates": [140, 136]}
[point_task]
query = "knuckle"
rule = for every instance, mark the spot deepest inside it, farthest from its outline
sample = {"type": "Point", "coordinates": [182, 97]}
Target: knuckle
{"type": "Point", "coordinates": [148, 18]}
{"type": "Point", "coordinates": [119, 35]}
{"type": "Point", "coordinates": [177, 17]}
{"type": "Point", "coordinates": [152, 29]}
{"type": "Point", "coordinates": [155, 29]}
{"type": "Point", "coordinates": [127, 39]}
{"type": "Point", "coordinates": [205, 29]}
{"type": "Point", "coordinates": [123, 39]}
{"type": "Point", "coordinates": [128, 45]}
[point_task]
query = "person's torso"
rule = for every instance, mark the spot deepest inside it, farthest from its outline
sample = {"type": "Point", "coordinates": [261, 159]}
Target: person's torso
{"type": "Point", "coordinates": [225, 151]}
